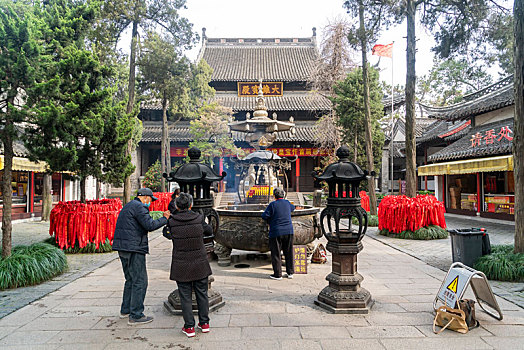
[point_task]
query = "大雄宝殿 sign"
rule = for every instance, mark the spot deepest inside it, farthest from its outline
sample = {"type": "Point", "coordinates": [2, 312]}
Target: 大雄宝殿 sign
{"type": "Point", "coordinates": [268, 88]}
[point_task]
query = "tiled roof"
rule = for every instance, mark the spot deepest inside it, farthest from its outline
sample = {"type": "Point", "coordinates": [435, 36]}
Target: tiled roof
{"type": "Point", "coordinates": [252, 59]}
{"type": "Point", "coordinates": [441, 127]}
{"type": "Point", "coordinates": [292, 101]}
{"type": "Point", "coordinates": [19, 149]}
{"type": "Point", "coordinates": [152, 132]}
{"type": "Point", "coordinates": [398, 100]}
{"type": "Point", "coordinates": [496, 96]}
{"type": "Point", "coordinates": [420, 126]}
{"type": "Point", "coordinates": [154, 105]}
{"type": "Point", "coordinates": [463, 149]}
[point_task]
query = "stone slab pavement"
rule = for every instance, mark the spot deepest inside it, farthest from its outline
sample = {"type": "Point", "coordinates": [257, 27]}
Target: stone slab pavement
{"type": "Point", "coordinates": [29, 232]}
{"type": "Point", "coordinates": [437, 252]}
{"type": "Point", "coordinates": [259, 313]}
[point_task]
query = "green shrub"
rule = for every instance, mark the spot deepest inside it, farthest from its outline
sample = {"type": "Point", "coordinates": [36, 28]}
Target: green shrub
{"type": "Point", "coordinates": [153, 177]}
{"type": "Point", "coordinates": [423, 233]}
{"type": "Point", "coordinates": [372, 220]}
{"type": "Point", "coordinates": [88, 249]}
{"type": "Point", "coordinates": [30, 265]}
{"type": "Point", "coordinates": [156, 214]}
{"type": "Point", "coordinates": [426, 192]}
{"type": "Point", "coordinates": [502, 264]}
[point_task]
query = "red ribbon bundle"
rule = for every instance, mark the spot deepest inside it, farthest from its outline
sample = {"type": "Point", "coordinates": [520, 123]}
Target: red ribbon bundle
{"type": "Point", "coordinates": [163, 201]}
{"type": "Point", "coordinates": [90, 222]}
{"type": "Point", "coordinates": [364, 200]}
{"type": "Point", "coordinates": [401, 213]}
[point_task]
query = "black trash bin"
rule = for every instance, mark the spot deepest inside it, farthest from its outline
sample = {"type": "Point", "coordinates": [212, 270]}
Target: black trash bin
{"type": "Point", "coordinates": [467, 245]}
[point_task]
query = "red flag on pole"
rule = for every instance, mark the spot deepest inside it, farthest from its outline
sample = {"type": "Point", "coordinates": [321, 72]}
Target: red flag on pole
{"type": "Point", "coordinates": [383, 50]}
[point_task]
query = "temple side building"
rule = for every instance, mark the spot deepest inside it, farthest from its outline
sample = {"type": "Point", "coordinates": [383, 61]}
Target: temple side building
{"type": "Point", "coordinates": [468, 151]}
{"type": "Point", "coordinates": [284, 65]}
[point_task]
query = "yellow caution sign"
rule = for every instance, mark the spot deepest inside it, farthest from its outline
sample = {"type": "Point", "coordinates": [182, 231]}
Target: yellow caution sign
{"type": "Point", "coordinates": [453, 285]}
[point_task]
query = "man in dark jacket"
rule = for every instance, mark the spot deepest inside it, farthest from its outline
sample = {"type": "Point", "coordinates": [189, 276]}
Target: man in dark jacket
{"type": "Point", "coordinates": [189, 266]}
{"type": "Point", "coordinates": [132, 243]}
{"type": "Point", "coordinates": [278, 215]}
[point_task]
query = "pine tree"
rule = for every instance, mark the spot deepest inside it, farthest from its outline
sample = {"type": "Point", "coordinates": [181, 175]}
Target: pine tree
{"type": "Point", "coordinates": [20, 55]}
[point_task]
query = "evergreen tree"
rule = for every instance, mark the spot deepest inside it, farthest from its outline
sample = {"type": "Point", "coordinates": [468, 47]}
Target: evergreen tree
{"type": "Point", "coordinates": [20, 55]}
{"type": "Point", "coordinates": [211, 132]}
{"type": "Point", "coordinates": [164, 75]}
{"type": "Point", "coordinates": [361, 37]}
{"type": "Point", "coordinates": [449, 80]}
{"type": "Point", "coordinates": [349, 105]}
{"type": "Point", "coordinates": [153, 176]}
{"type": "Point", "coordinates": [120, 15]}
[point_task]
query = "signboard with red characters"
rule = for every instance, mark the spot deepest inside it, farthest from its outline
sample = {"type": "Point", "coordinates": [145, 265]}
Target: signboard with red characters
{"type": "Point", "coordinates": [491, 136]}
{"type": "Point", "coordinates": [283, 152]}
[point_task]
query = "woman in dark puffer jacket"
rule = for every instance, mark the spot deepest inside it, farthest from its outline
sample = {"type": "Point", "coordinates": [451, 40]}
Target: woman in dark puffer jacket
{"type": "Point", "coordinates": [189, 266]}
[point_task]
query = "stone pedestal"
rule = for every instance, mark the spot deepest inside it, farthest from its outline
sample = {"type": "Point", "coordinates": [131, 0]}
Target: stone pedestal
{"type": "Point", "coordinates": [172, 304]}
{"type": "Point", "coordinates": [224, 255]}
{"type": "Point", "coordinates": [344, 295]}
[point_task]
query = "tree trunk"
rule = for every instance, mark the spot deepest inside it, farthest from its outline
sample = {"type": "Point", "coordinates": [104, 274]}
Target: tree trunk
{"type": "Point", "coordinates": [7, 191]}
{"type": "Point", "coordinates": [83, 190]}
{"type": "Point", "coordinates": [47, 198]}
{"type": "Point", "coordinates": [98, 188]}
{"type": "Point", "coordinates": [131, 102]}
{"type": "Point", "coordinates": [367, 113]}
{"type": "Point", "coordinates": [518, 140]}
{"type": "Point", "coordinates": [355, 148]}
{"type": "Point", "coordinates": [411, 150]}
{"type": "Point", "coordinates": [163, 145]}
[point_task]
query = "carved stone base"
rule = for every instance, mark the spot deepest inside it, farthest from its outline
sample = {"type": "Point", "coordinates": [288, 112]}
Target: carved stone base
{"type": "Point", "coordinates": [224, 254]}
{"type": "Point", "coordinates": [345, 301]}
{"type": "Point", "coordinates": [175, 308]}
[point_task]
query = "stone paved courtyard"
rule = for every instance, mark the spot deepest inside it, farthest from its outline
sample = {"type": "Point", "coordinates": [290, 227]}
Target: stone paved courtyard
{"type": "Point", "coordinates": [437, 253]}
{"type": "Point", "coordinates": [259, 313]}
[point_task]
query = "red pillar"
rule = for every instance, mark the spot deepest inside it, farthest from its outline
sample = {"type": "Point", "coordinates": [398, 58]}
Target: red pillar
{"type": "Point", "coordinates": [444, 190]}
{"type": "Point", "coordinates": [220, 170]}
{"type": "Point", "coordinates": [297, 173]}
{"type": "Point", "coordinates": [425, 163]}
{"type": "Point", "coordinates": [31, 190]}
{"type": "Point", "coordinates": [478, 193]}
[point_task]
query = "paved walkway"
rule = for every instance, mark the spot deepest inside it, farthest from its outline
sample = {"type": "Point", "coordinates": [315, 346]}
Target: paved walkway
{"type": "Point", "coordinates": [437, 252]}
{"type": "Point", "coordinates": [259, 313]}
{"type": "Point", "coordinates": [26, 233]}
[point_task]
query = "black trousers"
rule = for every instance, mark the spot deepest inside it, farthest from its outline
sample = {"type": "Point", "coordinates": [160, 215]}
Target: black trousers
{"type": "Point", "coordinates": [134, 266]}
{"type": "Point", "coordinates": [185, 290]}
{"type": "Point", "coordinates": [284, 244]}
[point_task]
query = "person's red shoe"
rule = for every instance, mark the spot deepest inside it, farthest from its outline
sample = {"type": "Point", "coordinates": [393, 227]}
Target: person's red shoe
{"type": "Point", "coordinates": [204, 327]}
{"type": "Point", "coordinates": [189, 331]}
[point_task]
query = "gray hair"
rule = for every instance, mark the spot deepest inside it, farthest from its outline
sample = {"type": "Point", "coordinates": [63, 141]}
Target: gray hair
{"type": "Point", "coordinates": [184, 201]}
{"type": "Point", "coordinates": [279, 193]}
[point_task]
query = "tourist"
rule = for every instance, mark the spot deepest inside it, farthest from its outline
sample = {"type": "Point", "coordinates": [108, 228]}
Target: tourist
{"type": "Point", "coordinates": [131, 242]}
{"type": "Point", "coordinates": [189, 265]}
{"type": "Point", "coordinates": [171, 207]}
{"type": "Point", "coordinates": [278, 215]}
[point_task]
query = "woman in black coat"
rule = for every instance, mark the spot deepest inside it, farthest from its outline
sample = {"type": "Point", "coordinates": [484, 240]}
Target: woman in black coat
{"type": "Point", "coordinates": [189, 266]}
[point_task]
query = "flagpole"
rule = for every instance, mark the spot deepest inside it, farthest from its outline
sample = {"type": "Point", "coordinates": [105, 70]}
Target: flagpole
{"type": "Point", "coordinates": [392, 106]}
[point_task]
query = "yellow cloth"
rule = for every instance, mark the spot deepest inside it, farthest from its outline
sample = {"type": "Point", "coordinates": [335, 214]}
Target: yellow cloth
{"type": "Point", "coordinates": [469, 166]}
{"type": "Point", "coordinates": [24, 164]}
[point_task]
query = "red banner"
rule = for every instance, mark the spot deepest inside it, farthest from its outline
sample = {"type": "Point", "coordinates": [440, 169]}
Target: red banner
{"type": "Point", "coordinates": [454, 131]}
{"type": "Point", "coordinates": [283, 152]}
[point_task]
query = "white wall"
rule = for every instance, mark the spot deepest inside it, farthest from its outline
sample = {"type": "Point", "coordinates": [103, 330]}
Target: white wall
{"type": "Point", "coordinates": [494, 116]}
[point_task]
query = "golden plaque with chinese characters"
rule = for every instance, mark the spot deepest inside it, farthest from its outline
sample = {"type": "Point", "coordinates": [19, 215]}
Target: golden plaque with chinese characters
{"type": "Point", "coordinates": [268, 88]}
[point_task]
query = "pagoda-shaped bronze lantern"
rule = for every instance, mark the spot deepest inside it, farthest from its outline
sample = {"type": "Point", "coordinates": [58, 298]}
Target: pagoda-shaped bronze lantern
{"type": "Point", "coordinates": [344, 294]}
{"type": "Point", "coordinates": [196, 179]}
